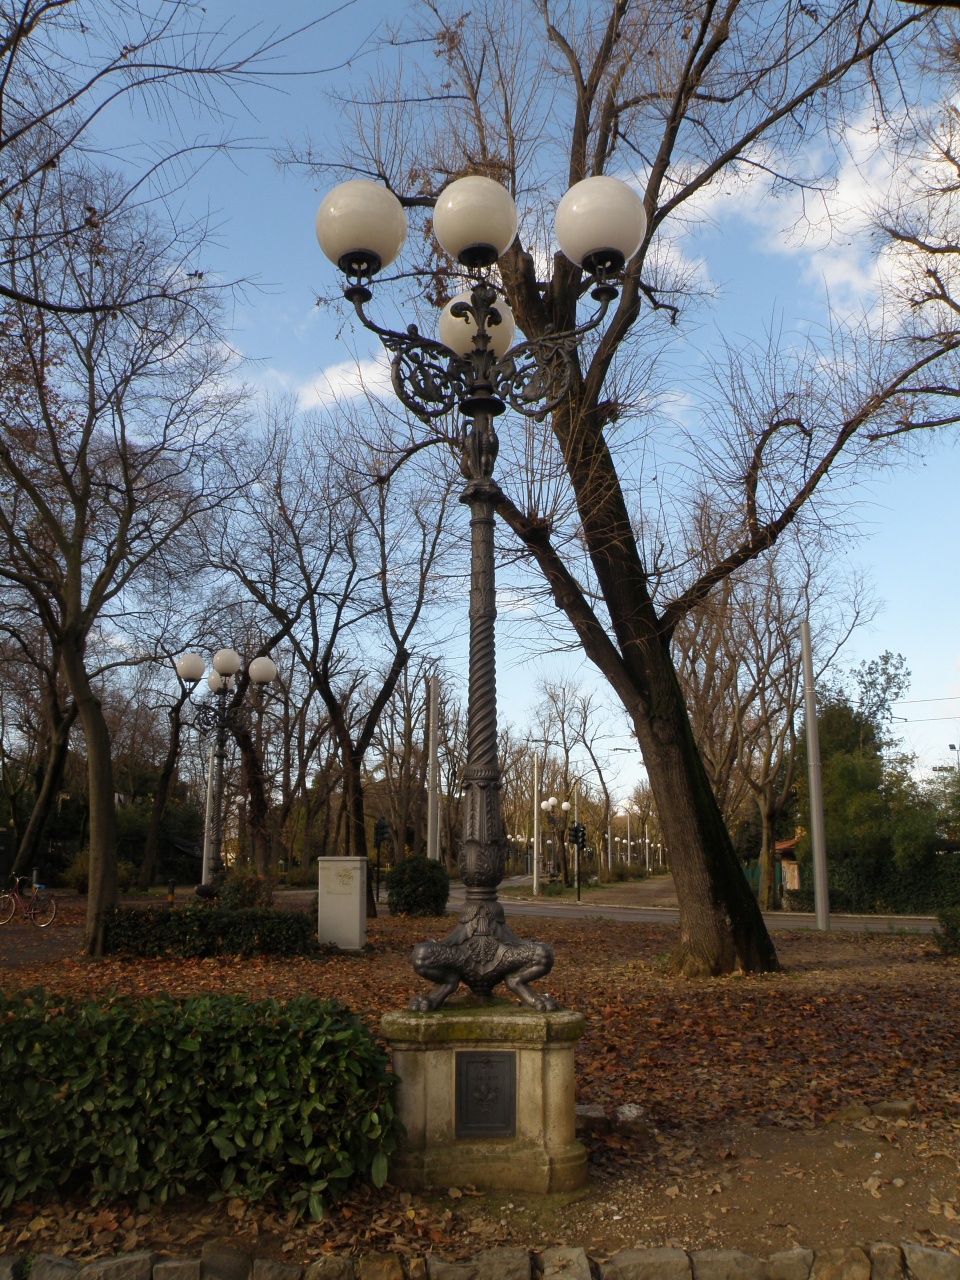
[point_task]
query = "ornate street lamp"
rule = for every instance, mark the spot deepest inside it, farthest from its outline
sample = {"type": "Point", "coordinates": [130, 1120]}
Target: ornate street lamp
{"type": "Point", "coordinates": [474, 366]}
{"type": "Point", "coordinates": [221, 716]}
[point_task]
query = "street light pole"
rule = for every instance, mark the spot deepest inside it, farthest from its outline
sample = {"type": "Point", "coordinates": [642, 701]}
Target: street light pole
{"type": "Point", "coordinates": [219, 716]}
{"type": "Point", "coordinates": [361, 226]}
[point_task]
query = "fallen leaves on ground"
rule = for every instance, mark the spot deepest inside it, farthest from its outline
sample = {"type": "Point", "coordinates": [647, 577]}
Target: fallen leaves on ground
{"type": "Point", "coordinates": [852, 1018]}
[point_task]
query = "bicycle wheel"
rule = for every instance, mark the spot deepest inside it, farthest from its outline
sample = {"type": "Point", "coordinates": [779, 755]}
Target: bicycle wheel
{"type": "Point", "coordinates": [8, 905]}
{"type": "Point", "coordinates": [42, 910]}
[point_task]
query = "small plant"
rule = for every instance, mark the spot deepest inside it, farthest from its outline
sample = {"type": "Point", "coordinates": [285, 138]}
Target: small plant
{"type": "Point", "coordinates": [418, 887]}
{"type": "Point", "coordinates": [948, 935]}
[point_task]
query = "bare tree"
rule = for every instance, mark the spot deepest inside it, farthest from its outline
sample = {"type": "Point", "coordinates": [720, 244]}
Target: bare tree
{"type": "Point", "coordinates": [339, 558]}
{"type": "Point", "coordinates": [65, 66]}
{"type": "Point", "coordinates": [112, 425]}
{"type": "Point", "coordinates": [693, 99]}
{"type": "Point", "coordinates": [738, 658]}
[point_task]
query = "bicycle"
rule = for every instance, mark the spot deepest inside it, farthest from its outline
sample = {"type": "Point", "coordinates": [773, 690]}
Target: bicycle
{"type": "Point", "coordinates": [39, 909]}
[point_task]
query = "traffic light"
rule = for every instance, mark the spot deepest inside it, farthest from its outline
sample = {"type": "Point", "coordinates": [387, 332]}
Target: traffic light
{"type": "Point", "coordinates": [381, 832]}
{"type": "Point", "coordinates": [578, 833]}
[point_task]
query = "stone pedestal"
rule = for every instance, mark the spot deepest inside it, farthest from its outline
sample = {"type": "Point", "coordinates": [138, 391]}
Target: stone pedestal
{"type": "Point", "coordinates": [486, 1094]}
{"type": "Point", "coordinates": [342, 903]}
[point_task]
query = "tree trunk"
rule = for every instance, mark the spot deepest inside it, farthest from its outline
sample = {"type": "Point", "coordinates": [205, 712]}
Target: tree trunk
{"type": "Point", "coordinates": [356, 821]}
{"type": "Point", "coordinates": [102, 887]}
{"type": "Point", "coordinates": [767, 893]}
{"type": "Point", "coordinates": [721, 928]}
{"type": "Point", "coordinates": [258, 808]}
{"type": "Point", "coordinates": [163, 794]}
{"type": "Point", "coordinates": [52, 780]}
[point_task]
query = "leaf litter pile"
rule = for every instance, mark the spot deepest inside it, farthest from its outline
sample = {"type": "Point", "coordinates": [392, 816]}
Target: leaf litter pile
{"type": "Point", "coordinates": [740, 1081]}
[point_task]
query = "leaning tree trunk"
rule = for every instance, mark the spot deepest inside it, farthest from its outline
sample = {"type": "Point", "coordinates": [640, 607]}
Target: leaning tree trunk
{"type": "Point", "coordinates": [52, 780]}
{"type": "Point", "coordinates": [721, 928]}
{"type": "Point", "coordinates": [102, 887]}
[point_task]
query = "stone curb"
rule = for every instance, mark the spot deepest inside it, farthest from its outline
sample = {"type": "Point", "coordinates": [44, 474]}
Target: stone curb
{"type": "Point", "coordinates": [221, 1260]}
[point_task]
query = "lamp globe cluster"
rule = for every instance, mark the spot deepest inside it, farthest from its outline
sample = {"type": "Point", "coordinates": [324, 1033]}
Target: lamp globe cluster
{"type": "Point", "coordinates": [226, 663]}
{"type": "Point", "coordinates": [361, 226]}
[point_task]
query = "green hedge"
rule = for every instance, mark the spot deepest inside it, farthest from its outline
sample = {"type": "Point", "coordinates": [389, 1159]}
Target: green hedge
{"type": "Point", "coordinates": [150, 932]}
{"type": "Point", "coordinates": [867, 886]}
{"type": "Point", "coordinates": [213, 1094]}
{"type": "Point", "coordinates": [418, 887]}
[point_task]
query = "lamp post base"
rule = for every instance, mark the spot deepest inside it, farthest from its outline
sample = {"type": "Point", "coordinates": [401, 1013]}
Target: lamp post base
{"type": "Point", "coordinates": [486, 1095]}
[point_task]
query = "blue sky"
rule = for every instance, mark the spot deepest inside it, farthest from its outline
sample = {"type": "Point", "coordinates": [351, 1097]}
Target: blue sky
{"type": "Point", "coordinates": [264, 219]}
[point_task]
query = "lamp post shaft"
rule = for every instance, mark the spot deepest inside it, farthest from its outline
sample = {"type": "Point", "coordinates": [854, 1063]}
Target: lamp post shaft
{"type": "Point", "coordinates": [216, 842]}
{"type": "Point", "coordinates": [482, 851]}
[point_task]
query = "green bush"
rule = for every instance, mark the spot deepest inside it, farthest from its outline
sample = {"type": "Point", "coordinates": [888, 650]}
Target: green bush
{"type": "Point", "coordinates": [242, 889]}
{"type": "Point", "coordinates": [624, 871]}
{"type": "Point", "coordinates": [213, 1095]}
{"type": "Point", "coordinates": [418, 887]}
{"type": "Point", "coordinates": [948, 935]}
{"type": "Point", "coordinates": [152, 932]}
{"type": "Point", "coordinates": [77, 874]}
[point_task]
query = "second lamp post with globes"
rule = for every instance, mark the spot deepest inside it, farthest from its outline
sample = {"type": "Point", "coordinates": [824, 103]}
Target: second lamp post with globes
{"type": "Point", "coordinates": [475, 366]}
{"type": "Point", "coordinates": [219, 715]}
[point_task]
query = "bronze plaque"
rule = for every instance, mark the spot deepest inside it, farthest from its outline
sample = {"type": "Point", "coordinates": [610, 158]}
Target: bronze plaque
{"type": "Point", "coordinates": [486, 1095]}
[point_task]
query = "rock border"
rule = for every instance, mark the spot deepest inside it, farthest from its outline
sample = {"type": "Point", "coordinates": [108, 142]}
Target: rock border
{"type": "Point", "coordinates": [221, 1260]}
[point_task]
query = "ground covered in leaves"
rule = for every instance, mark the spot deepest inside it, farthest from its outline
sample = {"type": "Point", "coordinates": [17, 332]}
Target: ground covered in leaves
{"type": "Point", "coordinates": [740, 1079]}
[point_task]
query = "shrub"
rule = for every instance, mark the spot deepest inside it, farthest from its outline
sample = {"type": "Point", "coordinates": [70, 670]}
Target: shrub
{"type": "Point", "coordinates": [241, 888]}
{"type": "Point", "coordinates": [623, 871]}
{"type": "Point", "coordinates": [948, 935]}
{"type": "Point", "coordinates": [213, 1094]}
{"type": "Point", "coordinates": [418, 887]}
{"type": "Point", "coordinates": [152, 932]}
{"type": "Point", "coordinates": [77, 874]}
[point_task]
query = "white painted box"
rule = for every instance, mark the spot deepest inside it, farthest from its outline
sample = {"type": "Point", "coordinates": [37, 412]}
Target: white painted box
{"type": "Point", "coordinates": [342, 903]}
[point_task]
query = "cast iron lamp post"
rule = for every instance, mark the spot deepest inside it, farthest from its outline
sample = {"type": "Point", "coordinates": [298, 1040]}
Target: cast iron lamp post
{"type": "Point", "coordinates": [361, 227]}
{"type": "Point", "coordinates": [220, 716]}
{"type": "Point", "coordinates": [549, 807]}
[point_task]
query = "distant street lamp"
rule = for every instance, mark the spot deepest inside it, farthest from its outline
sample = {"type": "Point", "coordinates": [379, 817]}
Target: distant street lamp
{"type": "Point", "coordinates": [361, 226]}
{"type": "Point", "coordinates": [221, 716]}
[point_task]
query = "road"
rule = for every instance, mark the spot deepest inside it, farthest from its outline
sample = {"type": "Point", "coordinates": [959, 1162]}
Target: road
{"type": "Point", "coordinates": [775, 920]}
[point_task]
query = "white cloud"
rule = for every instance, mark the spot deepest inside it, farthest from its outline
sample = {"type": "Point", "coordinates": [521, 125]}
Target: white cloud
{"type": "Point", "coordinates": [346, 381]}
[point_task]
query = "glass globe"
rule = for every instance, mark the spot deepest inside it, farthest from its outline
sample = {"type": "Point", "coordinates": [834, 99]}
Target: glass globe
{"type": "Point", "coordinates": [361, 226]}
{"type": "Point", "coordinates": [475, 220]}
{"type": "Point", "coordinates": [216, 682]}
{"type": "Point", "coordinates": [601, 222]}
{"type": "Point", "coordinates": [457, 332]}
{"type": "Point", "coordinates": [263, 670]}
{"type": "Point", "coordinates": [226, 662]}
{"type": "Point", "coordinates": [191, 667]}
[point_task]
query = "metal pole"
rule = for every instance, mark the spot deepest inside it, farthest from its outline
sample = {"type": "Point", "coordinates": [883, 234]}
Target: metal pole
{"type": "Point", "coordinates": [821, 893]}
{"type": "Point", "coordinates": [216, 841]}
{"type": "Point", "coordinates": [208, 822]}
{"type": "Point", "coordinates": [629, 842]}
{"type": "Point", "coordinates": [646, 847]}
{"type": "Point", "coordinates": [433, 807]}
{"type": "Point", "coordinates": [536, 828]}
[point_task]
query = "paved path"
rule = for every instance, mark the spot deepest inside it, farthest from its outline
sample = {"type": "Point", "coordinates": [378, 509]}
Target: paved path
{"type": "Point", "coordinates": [591, 908]}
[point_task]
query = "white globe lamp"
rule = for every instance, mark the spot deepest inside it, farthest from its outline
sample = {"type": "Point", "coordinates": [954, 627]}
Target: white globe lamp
{"type": "Point", "coordinates": [601, 223]}
{"type": "Point", "coordinates": [361, 227]}
{"type": "Point", "coordinates": [475, 220]}
{"type": "Point", "coordinates": [190, 668]}
{"type": "Point", "coordinates": [458, 332]}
